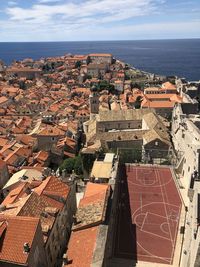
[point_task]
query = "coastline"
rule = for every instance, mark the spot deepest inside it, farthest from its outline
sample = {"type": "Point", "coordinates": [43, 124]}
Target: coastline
{"type": "Point", "coordinates": [162, 57]}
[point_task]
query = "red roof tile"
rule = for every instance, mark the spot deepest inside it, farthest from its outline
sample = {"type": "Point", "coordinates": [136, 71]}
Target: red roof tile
{"type": "Point", "coordinates": [52, 186]}
{"type": "Point", "coordinates": [17, 231]}
{"type": "Point", "coordinates": [81, 247]}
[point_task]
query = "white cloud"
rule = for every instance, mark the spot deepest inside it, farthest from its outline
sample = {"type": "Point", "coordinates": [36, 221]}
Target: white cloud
{"type": "Point", "coordinates": [48, 1]}
{"type": "Point", "coordinates": [89, 20]}
{"type": "Point", "coordinates": [91, 8]}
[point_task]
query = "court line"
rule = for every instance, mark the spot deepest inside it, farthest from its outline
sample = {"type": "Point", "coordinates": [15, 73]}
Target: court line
{"type": "Point", "coordinates": [145, 192]}
{"type": "Point", "coordinates": [161, 227]}
{"type": "Point", "coordinates": [135, 220]}
{"type": "Point", "coordinates": [177, 222]}
{"type": "Point", "coordinates": [154, 256]}
{"type": "Point", "coordinates": [130, 182]}
{"type": "Point", "coordinates": [149, 256]}
{"type": "Point", "coordinates": [154, 201]}
{"type": "Point", "coordinates": [165, 259]}
{"type": "Point", "coordinates": [157, 215]}
{"type": "Point", "coordinates": [176, 233]}
{"type": "Point", "coordinates": [141, 202]}
{"type": "Point", "coordinates": [167, 217]}
{"type": "Point", "coordinates": [145, 205]}
{"type": "Point", "coordinates": [154, 215]}
{"type": "Point", "coordinates": [144, 221]}
{"type": "Point", "coordinates": [164, 203]}
{"type": "Point", "coordinates": [144, 231]}
{"type": "Point", "coordinates": [169, 209]}
{"type": "Point", "coordinates": [148, 167]}
{"type": "Point", "coordinates": [142, 180]}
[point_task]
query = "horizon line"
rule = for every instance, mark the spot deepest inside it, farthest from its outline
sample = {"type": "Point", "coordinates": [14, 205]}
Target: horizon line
{"type": "Point", "coordinates": [123, 40]}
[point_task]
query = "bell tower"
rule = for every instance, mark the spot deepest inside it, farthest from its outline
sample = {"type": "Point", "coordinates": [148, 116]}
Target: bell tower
{"type": "Point", "coordinates": [94, 102]}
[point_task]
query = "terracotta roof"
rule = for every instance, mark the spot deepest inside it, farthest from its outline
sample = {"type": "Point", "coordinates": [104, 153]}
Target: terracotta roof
{"type": "Point", "coordinates": [42, 156]}
{"type": "Point", "coordinates": [3, 99]}
{"type": "Point", "coordinates": [152, 89]}
{"type": "Point", "coordinates": [53, 131]}
{"type": "Point", "coordinates": [169, 86]}
{"type": "Point", "coordinates": [17, 231]}
{"type": "Point", "coordinates": [131, 114]}
{"type": "Point", "coordinates": [92, 206]}
{"type": "Point", "coordinates": [157, 104]}
{"type": "Point", "coordinates": [100, 55]}
{"type": "Point", "coordinates": [160, 96]}
{"type": "Point", "coordinates": [34, 205]}
{"type": "Point", "coordinates": [81, 247]}
{"type": "Point", "coordinates": [23, 69]}
{"type": "Point", "coordinates": [26, 139]}
{"type": "Point", "coordinates": [52, 186]}
{"type": "Point", "coordinates": [15, 194]}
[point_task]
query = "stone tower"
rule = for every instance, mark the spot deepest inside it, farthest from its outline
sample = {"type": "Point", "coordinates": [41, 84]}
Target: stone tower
{"type": "Point", "coordinates": [94, 103]}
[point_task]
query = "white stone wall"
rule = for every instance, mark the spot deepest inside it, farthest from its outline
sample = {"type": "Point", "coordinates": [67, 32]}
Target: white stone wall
{"type": "Point", "coordinates": [191, 244]}
{"type": "Point", "coordinates": [186, 139]}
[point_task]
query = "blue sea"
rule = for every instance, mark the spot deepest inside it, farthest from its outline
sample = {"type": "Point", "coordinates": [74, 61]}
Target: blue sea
{"type": "Point", "coordinates": [164, 57]}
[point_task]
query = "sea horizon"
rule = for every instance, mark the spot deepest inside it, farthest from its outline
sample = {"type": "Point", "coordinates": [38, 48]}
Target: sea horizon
{"type": "Point", "coordinates": [112, 40]}
{"type": "Point", "coordinates": [167, 57]}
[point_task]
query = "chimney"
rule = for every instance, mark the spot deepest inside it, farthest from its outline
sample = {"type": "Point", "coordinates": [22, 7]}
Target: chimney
{"type": "Point", "coordinates": [26, 248]}
{"type": "Point", "coordinates": [65, 259]}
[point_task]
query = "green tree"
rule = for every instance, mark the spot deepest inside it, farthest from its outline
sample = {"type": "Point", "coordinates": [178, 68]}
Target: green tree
{"type": "Point", "coordinates": [88, 160]}
{"type": "Point", "coordinates": [130, 155]}
{"type": "Point", "coordinates": [72, 164]}
{"type": "Point", "coordinates": [78, 166]}
{"type": "Point", "coordinates": [68, 165]}
{"type": "Point", "coordinates": [78, 64]}
{"type": "Point", "coordinates": [138, 102]}
{"type": "Point", "coordinates": [104, 85]}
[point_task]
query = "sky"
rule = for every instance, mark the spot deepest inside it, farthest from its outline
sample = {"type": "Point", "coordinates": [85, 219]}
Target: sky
{"type": "Point", "coordinates": [91, 20]}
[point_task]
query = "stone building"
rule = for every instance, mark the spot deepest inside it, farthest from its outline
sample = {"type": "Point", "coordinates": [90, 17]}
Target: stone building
{"type": "Point", "coordinates": [103, 168]}
{"type": "Point", "coordinates": [97, 70]}
{"type": "Point", "coordinates": [186, 139]}
{"type": "Point", "coordinates": [89, 230]}
{"type": "Point", "coordinates": [128, 129]}
{"type": "Point", "coordinates": [101, 58]}
{"type": "Point", "coordinates": [4, 174]}
{"type": "Point", "coordinates": [21, 242]}
{"type": "Point", "coordinates": [191, 246]}
{"type": "Point", "coordinates": [27, 73]}
{"type": "Point", "coordinates": [51, 201]}
{"type": "Point", "coordinates": [94, 103]}
{"type": "Point", "coordinates": [22, 176]}
{"type": "Point", "coordinates": [48, 137]}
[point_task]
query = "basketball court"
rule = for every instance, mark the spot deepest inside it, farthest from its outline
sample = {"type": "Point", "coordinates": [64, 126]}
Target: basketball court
{"type": "Point", "coordinates": [155, 208]}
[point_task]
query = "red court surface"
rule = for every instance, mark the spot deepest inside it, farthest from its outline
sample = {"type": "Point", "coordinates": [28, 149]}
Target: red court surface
{"type": "Point", "coordinates": [154, 207]}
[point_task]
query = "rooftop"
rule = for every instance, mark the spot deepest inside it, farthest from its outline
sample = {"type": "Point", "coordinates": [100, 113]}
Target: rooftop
{"type": "Point", "coordinates": [82, 239]}
{"type": "Point", "coordinates": [118, 115]}
{"type": "Point", "coordinates": [92, 206]}
{"type": "Point", "coordinates": [14, 232]}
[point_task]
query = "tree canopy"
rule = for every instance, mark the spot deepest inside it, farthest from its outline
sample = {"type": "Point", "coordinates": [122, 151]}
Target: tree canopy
{"type": "Point", "coordinates": [72, 164]}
